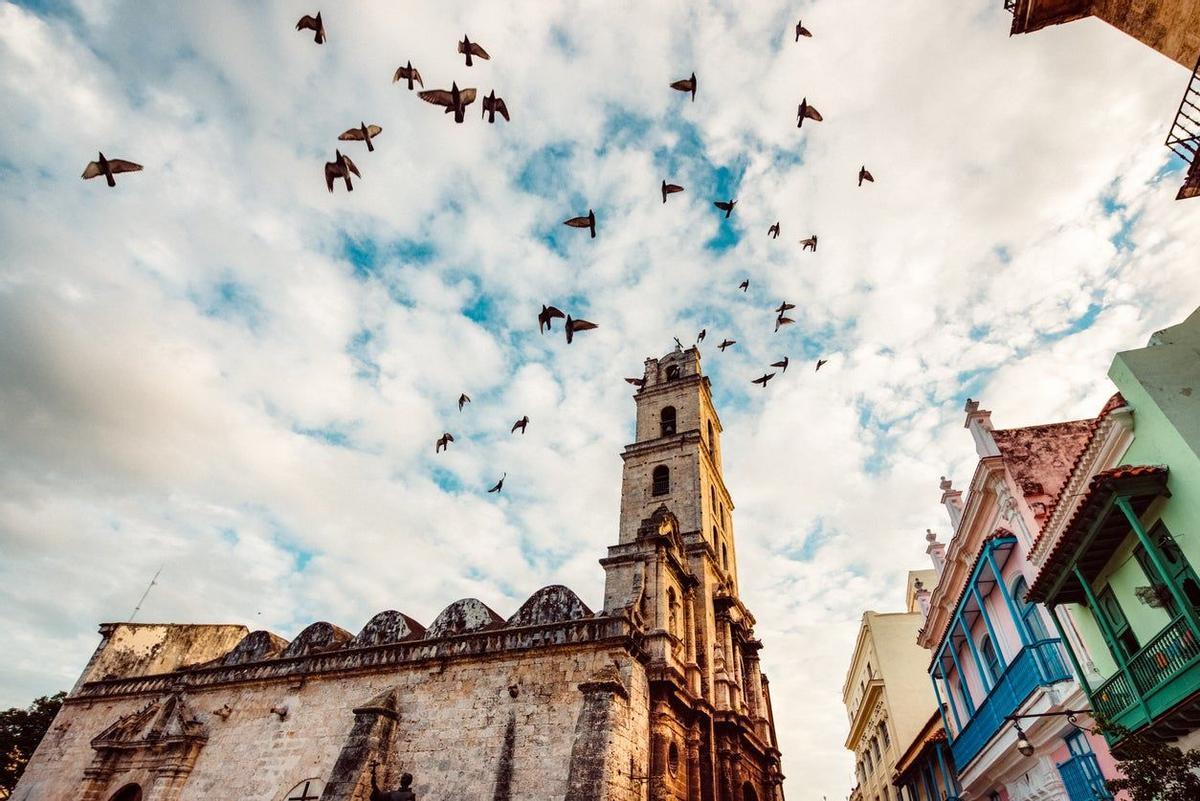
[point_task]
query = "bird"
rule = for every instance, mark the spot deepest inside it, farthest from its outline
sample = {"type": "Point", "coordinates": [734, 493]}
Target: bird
{"type": "Point", "coordinates": [670, 189]}
{"type": "Point", "coordinates": [108, 168]}
{"type": "Point", "coordinates": [782, 364]}
{"type": "Point", "coordinates": [781, 321]}
{"type": "Point", "coordinates": [410, 73]}
{"type": "Point", "coordinates": [463, 400]}
{"type": "Point", "coordinates": [453, 100]}
{"type": "Point", "coordinates": [546, 317]}
{"type": "Point", "coordinates": [865, 175]}
{"type": "Point", "coordinates": [524, 421]}
{"type": "Point", "coordinates": [363, 133]}
{"type": "Point", "coordinates": [588, 222]}
{"type": "Point", "coordinates": [499, 484]}
{"type": "Point", "coordinates": [810, 243]}
{"type": "Point", "coordinates": [703, 333]}
{"type": "Point", "coordinates": [725, 206]}
{"type": "Point", "coordinates": [745, 285]}
{"type": "Point", "coordinates": [313, 24]}
{"type": "Point", "coordinates": [806, 111]}
{"type": "Point", "coordinates": [469, 48]}
{"type": "Point", "coordinates": [785, 306]}
{"type": "Point", "coordinates": [637, 382]}
{"type": "Point", "coordinates": [821, 362]}
{"type": "Point", "coordinates": [725, 343]}
{"type": "Point", "coordinates": [493, 105]}
{"type": "Point", "coordinates": [686, 85]}
{"type": "Point", "coordinates": [773, 231]}
{"type": "Point", "coordinates": [443, 442]}
{"type": "Point", "coordinates": [765, 378]}
{"type": "Point", "coordinates": [801, 30]}
{"type": "Point", "coordinates": [574, 325]}
{"type": "Point", "coordinates": [340, 167]}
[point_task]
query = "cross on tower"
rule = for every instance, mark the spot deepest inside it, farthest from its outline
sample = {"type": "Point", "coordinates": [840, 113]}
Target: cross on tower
{"type": "Point", "coordinates": [304, 796]}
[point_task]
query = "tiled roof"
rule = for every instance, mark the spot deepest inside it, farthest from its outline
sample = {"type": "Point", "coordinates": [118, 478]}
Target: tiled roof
{"type": "Point", "coordinates": [1040, 458]}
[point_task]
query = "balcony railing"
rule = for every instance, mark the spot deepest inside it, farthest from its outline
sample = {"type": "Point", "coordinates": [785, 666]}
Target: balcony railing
{"type": "Point", "coordinates": [1184, 137]}
{"type": "Point", "coordinates": [1173, 651]}
{"type": "Point", "coordinates": [1036, 665]}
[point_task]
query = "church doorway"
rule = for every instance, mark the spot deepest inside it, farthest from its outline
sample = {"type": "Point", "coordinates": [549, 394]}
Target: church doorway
{"type": "Point", "coordinates": [130, 792]}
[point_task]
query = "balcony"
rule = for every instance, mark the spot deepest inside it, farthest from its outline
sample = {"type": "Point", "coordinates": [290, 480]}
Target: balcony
{"type": "Point", "coordinates": [1184, 138]}
{"type": "Point", "coordinates": [1164, 672]}
{"type": "Point", "coordinates": [1037, 665]}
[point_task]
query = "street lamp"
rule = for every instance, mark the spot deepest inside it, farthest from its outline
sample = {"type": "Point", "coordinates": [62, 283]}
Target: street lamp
{"type": "Point", "coordinates": [1024, 746]}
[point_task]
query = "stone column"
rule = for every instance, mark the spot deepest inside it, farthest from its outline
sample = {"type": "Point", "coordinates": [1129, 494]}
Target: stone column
{"type": "Point", "coordinates": [693, 762]}
{"type": "Point", "coordinates": [587, 777]}
{"type": "Point", "coordinates": [369, 741]}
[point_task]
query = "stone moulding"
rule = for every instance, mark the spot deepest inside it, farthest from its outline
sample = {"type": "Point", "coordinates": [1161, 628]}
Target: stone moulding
{"type": "Point", "coordinates": [618, 629]}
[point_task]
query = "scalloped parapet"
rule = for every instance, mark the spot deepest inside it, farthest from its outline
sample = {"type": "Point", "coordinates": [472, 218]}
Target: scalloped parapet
{"type": "Point", "coordinates": [316, 638]}
{"type": "Point", "coordinates": [387, 627]}
{"type": "Point", "coordinates": [461, 617]}
{"type": "Point", "coordinates": [552, 604]}
{"type": "Point", "coordinates": [255, 647]}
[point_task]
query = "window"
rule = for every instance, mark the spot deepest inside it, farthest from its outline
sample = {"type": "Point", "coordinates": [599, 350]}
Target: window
{"type": "Point", "coordinates": [1030, 615]}
{"type": "Point", "coordinates": [673, 758]}
{"type": "Point", "coordinates": [1081, 773]}
{"type": "Point", "coordinates": [1177, 566]}
{"type": "Point", "coordinates": [724, 553]}
{"type": "Point", "coordinates": [712, 441]}
{"type": "Point", "coordinates": [1117, 621]}
{"type": "Point", "coordinates": [662, 480]}
{"type": "Point", "coordinates": [673, 372]}
{"type": "Point", "coordinates": [667, 421]}
{"type": "Point", "coordinates": [723, 523]}
{"type": "Point", "coordinates": [883, 732]}
{"type": "Point", "coordinates": [748, 793]}
{"type": "Point", "coordinates": [961, 687]}
{"type": "Point", "coordinates": [130, 792]}
{"type": "Point", "coordinates": [987, 652]}
{"type": "Point", "coordinates": [712, 496]}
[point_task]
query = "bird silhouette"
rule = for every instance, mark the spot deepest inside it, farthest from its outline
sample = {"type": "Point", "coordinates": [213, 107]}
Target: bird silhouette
{"type": "Point", "coordinates": [669, 189]}
{"type": "Point", "coordinates": [108, 168]}
{"type": "Point", "coordinates": [453, 99]}
{"type": "Point", "coordinates": [801, 30]}
{"type": "Point", "coordinates": [524, 421]}
{"type": "Point", "coordinates": [773, 231]}
{"type": "Point", "coordinates": [313, 24]}
{"type": "Point", "coordinates": [810, 243]}
{"type": "Point", "coordinates": [784, 307]}
{"type": "Point", "coordinates": [408, 73]}
{"type": "Point", "coordinates": [703, 333]}
{"type": "Point", "coordinates": [363, 133]}
{"type": "Point", "coordinates": [463, 400]}
{"type": "Point", "coordinates": [821, 362]}
{"type": "Point", "coordinates": [686, 85]}
{"type": "Point", "coordinates": [546, 317]}
{"type": "Point", "coordinates": [806, 112]}
{"type": "Point", "coordinates": [340, 167]}
{"type": "Point", "coordinates": [782, 321]}
{"type": "Point", "coordinates": [782, 364]}
{"type": "Point", "coordinates": [443, 442]}
{"type": "Point", "coordinates": [469, 48]}
{"type": "Point", "coordinates": [765, 378]}
{"type": "Point", "coordinates": [637, 382]}
{"type": "Point", "coordinates": [725, 206]}
{"type": "Point", "coordinates": [865, 175]}
{"type": "Point", "coordinates": [574, 325]}
{"type": "Point", "coordinates": [725, 343]}
{"type": "Point", "coordinates": [493, 105]}
{"type": "Point", "coordinates": [745, 285]}
{"type": "Point", "coordinates": [588, 222]}
{"type": "Point", "coordinates": [499, 484]}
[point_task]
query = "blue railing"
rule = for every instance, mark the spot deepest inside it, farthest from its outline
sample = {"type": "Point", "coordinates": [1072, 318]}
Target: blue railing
{"type": "Point", "coordinates": [1036, 665]}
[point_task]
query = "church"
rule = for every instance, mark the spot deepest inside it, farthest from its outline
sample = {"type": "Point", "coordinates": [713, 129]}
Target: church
{"type": "Point", "coordinates": [657, 697]}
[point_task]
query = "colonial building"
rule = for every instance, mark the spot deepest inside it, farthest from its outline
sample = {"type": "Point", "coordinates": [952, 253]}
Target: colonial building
{"type": "Point", "coordinates": [657, 696]}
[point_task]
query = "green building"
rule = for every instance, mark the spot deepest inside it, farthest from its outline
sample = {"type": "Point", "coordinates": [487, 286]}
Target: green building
{"type": "Point", "coordinates": [1121, 548]}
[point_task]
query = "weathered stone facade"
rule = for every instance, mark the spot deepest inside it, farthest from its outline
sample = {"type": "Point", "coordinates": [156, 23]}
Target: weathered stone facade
{"type": "Point", "coordinates": [658, 696]}
{"type": "Point", "coordinates": [1172, 27]}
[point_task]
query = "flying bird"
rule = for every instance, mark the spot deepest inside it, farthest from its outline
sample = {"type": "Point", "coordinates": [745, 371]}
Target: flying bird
{"type": "Point", "coordinates": [363, 133]}
{"type": "Point", "coordinates": [574, 325]}
{"type": "Point", "coordinates": [686, 85]}
{"type": "Point", "coordinates": [725, 206]}
{"type": "Point", "coordinates": [809, 244]}
{"type": "Point", "coordinates": [725, 343]}
{"type": "Point", "coordinates": [785, 306]}
{"type": "Point", "coordinates": [493, 105]}
{"type": "Point", "coordinates": [821, 362]}
{"type": "Point", "coordinates": [781, 321]}
{"type": "Point", "coordinates": [546, 317]}
{"type": "Point", "coordinates": [340, 167]}
{"type": "Point", "coordinates": [524, 421]}
{"type": "Point", "coordinates": [703, 333]}
{"type": "Point", "coordinates": [670, 189]}
{"type": "Point", "coordinates": [499, 484]}
{"type": "Point", "coordinates": [409, 73]}
{"type": "Point", "coordinates": [801, 30]}
{"type": "Point", "coordinates": [745, 285]}
{"type": "Point", "coordinates": [313, 24]}
{"type": "Point", "coordinates": [443, 442]}
{"type": "Point", "coordinates": [108, 168]}
{"type": "Point", "coordinates": [637, 382]}
{"type": "Point", "coordinates": [765, 378]}
{"type": "Point", "coordinates": [588, 222]}
{"type": "Point", "coordinates": [806, 112]}
{"type": "Point", "coordinates": [865, 175]}
{"type": "Point", "coordinates": [453, 100]}
{"type": "Point", "coordinates": [773, 231]}
{"type": "Point", "coordinates": [463, 400]}
{"type": "Point", "coordinates": [782, 364]}
{"type": "Point", "coordinates": [469, 48]}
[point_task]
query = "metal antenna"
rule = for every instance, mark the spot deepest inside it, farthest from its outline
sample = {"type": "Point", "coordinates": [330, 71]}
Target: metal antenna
{"type": "Point", "coordinates": [137, 608]}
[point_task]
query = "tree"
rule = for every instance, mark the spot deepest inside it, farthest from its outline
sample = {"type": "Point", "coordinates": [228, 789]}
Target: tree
{"type": "Point", "coordinates": [1153, 770]}
{"type": "Point", "coordinates": [20, 732]}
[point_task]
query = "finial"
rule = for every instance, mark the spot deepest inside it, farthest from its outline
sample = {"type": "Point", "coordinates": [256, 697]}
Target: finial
{"type": "Point", "coordinates": [946, 484]}
{"type": "Point", "coordinates": [930, 536]}
{"type": "Point", "coordinates": [972, 406]}
{"type": "Point", "coordinates": [918, 585]}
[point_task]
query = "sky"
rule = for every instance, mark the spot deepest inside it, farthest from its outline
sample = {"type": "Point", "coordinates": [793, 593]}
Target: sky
{"type": "Point", "coordinates": [221, 370]}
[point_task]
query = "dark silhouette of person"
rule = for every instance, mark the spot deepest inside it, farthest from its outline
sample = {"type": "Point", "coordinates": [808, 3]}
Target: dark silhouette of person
{"type": "Point", "coordinates": [403, 793]}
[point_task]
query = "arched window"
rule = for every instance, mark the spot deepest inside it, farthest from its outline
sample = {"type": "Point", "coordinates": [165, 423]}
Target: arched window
{"type": "Point", "coordinates": [883, 732]}
{"type": "Point", "coordinates": [662, 480]}
{"type": "Point", "coordinates": [987, 651]}
{"type": "Point", "coordinates": [712, 496]}
{"type": "Point", "coordinates": [130, 792]}
{"type": "Point", "coordinates": [673, 758]}
{"type": "Point", "coordinates": [724, 555]}
{"type": "Point", "coordinates": [748, 793]}
{"type": "Point", "coordinates": [968, 702]}
{"type": "Point", "coordinates": [724, 517]}
{"type": "Point", "coordinates": [1030, 616]}
{"type": "Point", "coordinates": [712, 441]}
{"type": "Point", "coordinates": [667, 421]}
{"type": "Point", "coordinates": [673, 372]}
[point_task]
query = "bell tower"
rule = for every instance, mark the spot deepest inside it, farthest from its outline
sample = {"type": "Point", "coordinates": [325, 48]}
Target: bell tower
{"type": "Point", "coordinates": [674, 572]}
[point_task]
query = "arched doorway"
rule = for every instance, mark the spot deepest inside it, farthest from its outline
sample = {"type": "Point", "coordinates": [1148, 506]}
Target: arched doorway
{"type": "Point", "coordinates": [130, 792]}
{"type": "Point", "coordinates": [748, 793]}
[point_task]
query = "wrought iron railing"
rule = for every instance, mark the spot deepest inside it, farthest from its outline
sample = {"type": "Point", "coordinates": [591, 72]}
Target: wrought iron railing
{"type": "Point", "coordinates": [1172, 651]}
{"type": "Point", "coordinates": [1113, 697]}
{"type": "Point", "coordinates": [1184, 137]}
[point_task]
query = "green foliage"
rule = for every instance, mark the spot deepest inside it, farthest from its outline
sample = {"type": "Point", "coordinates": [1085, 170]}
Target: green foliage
{"type": "Point", "coordinates": [1153, 770]}
{"type": "Point", "coordinates": [20, 732]}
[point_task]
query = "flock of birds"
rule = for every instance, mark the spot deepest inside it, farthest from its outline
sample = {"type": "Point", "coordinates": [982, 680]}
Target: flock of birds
{"type": "Point", "coordinates": [455, 101]}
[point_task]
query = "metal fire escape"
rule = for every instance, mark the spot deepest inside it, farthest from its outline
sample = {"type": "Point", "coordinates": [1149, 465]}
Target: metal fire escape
{"type": "Point", "coordinates": [1184, 138]}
